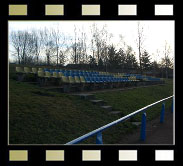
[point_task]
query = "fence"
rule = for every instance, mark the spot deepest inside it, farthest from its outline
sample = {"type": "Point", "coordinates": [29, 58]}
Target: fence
{"type": "Point", "coordinates": [98, 132]}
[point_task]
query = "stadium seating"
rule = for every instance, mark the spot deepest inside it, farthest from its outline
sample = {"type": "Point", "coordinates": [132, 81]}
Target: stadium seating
{"type": "Point", "coordinates": [82, 79]}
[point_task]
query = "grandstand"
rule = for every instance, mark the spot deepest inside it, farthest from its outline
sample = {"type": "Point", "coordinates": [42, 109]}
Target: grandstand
{"type": "Point", "coordinates": [80, 80]}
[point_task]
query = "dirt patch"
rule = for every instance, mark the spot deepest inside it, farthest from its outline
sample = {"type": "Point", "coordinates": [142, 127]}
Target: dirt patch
{"type": "Point", "coordinates": [156, 132]}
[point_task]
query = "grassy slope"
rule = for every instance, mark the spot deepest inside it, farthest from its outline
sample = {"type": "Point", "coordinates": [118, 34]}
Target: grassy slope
{"type": "Point", "coordinates": [37, 116]}
{"type": "Point", "coordinates": [130, 100]}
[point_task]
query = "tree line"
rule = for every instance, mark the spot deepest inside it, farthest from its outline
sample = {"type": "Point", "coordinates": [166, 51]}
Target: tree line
{"type": "Point", "coordinates": [50, 46]}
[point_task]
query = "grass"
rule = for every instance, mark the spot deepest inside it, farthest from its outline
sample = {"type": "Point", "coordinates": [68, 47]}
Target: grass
{"type": "Point", "coordinates": [39, 116]}
{"type": "Point", "coordinates": [130, 100]}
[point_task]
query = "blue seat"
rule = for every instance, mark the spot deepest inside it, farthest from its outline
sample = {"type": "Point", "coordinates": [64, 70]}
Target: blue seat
{"type": "Point", "coordinates": [97, 79]}
{"type": "Point", "coordinates": [118, 79]}
{"type": "Point", "coordinates": [77, 74]}
{"type": "Point", "coordinates": [45, 69]}
{"type": "Point", "coordinates": [87, 79]}
{"type": "Point", "coordinates": [105, 79]}
{"type": "Point", "coordinates": [92, 79]}
{"type": "Point", "coordinates": [57, 70]}
{"type": "Point", "coordinates": [66, 74]}
{"type": "Point", "coordinates": [101, 79]}
{"type": "Point", "coordinates": [109, 79]}
{"type": "Point", "coordinates": [81, 74]}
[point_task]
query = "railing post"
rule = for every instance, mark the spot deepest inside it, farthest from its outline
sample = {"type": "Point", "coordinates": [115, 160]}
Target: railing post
{"type": "Point", "coordinates": [143, 127]}
{"type": "Point", "coordinates": [162, 113]}
{"type": "Point", "coordinates": [99, 138]}
{"type": "Point", "coordinates": [172, 106]}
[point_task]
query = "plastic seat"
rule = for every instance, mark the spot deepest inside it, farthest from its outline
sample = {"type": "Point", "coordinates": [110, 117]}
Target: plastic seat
{"type": "Point", "coordinates": [115, 79]}
{"type": "Point", "coordinates": [92, 79]}
{"type": "Point", "coordinates": [80, 74]}
{"type": "Point", "coordinates": [34, 70]}
{"type": "Point", "coordinates": [77, 74]}
{"type": "Point", "coordinates": [65, 79]}
{"type": "Point", "coordinates": [97, 79]}
{"type": "Point", "coordinates": [87, 79]}
{"type": "Point", "coordinates": [104, 79]}
{"type": "Point", "coordinates": [27, 70]}
{"type": "Point", "coordinates": [45, 69]}
{"type": "Point", "coordinates": [71, 80]}
{"type": "Point", "coordinates": [72, 74]}
{"type": "Point", "coordinates": [77, 80]}
{"type": "Point", "coordinates": [40, 69]}
{"type": "Point", "coordinates": [82, 79]}
{"type": "Point", "coordinates": [57, 70]}
{"type": "Point", "coordinates": [55, 74]}
{"type": "Point", "coordinates": [41, 73]}
{"type": "Point", "coordinates": [108, 79]}
{"type": "Point", "coordinates": [66, 74]}
{"type": "Point", "coordinates": [51, 71]}
{"type": "Point", "coordinates": [100, 79]}
{"type": "Point", "coordinates": [47, 74]}
{"type": "Point", "coordinates": [19, 70]}
{"type": "Point", "coordinates": [60, 74]}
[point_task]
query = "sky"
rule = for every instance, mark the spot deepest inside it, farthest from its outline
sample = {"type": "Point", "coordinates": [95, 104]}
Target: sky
{"type": "Point", "coordinates": [155, 32]}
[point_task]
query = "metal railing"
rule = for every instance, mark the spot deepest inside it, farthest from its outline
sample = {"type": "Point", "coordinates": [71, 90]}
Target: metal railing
{"type": "Point", "coordinates": [98, 132]}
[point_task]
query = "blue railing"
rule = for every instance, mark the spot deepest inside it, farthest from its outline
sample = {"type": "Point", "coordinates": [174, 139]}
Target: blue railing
{"type": "Point", "coordinates": [98, 132]}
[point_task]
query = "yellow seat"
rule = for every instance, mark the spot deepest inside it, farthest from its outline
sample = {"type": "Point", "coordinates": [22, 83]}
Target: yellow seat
{"type": "Point", "coordinates": [65, 79]}
{"type": "Point", "coordinates": [71, 80]}
{"type": "Point", "coordinates": [47, 74]}
{"type": "Point", "coordinates": [60, 74]}
{"type": "Point", "coordinates": [19, 70]}
{"type": "Point", "coordinates": [40, 73]}
{"type": "Point", "coordinates": [40, 69]}
{"type": "Point", "coordinates": [82, 79]}
{"type": "Point", "coordinates": [77, 80]}
{"type": "Point", "coordinates": [27, 70]}
{"type": "Point", "coordinates": [34, 70]}
{"type": "Point", "coordinates": [55, 75]}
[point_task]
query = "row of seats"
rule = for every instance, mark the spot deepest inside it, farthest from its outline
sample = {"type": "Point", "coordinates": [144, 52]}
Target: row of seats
{"type": "Point", "coordinates": [80, 76]}
{"type": "Point", "coordinates": [81, 79]}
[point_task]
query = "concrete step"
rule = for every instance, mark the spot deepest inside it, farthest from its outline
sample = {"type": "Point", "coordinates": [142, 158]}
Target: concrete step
{"type": "Point", "coordinates": [98, 102]}
{"type": "Point", "coordinates": [86, 96]}
{"type": "Point", "coordinates": [107, 107]}
{"type": "Point", "coordinates": [115, 112]}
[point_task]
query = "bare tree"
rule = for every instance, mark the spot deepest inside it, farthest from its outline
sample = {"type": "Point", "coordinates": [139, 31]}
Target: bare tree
{"type": "Point", "coordinates": [15, 40]}
{"type": "Point", "coordinates": [167, 60]}
{"type": "Point", "coordinates": [24, 46]}
{"type": "Point", "coordinates": [96, 39]}
{"type": "Point", "coordinates": [59, 41]}
{"type": "Point", "coordinates": [38, 43]}
{"type": "Point", "coordinates": [48, 45]}
{"type": "Point", "coordinates": [100, 42]}
{"type": "Point", "coordinates": [139, 41]}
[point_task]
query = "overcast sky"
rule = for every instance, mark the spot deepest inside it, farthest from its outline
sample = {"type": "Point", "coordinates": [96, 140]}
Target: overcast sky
{"type": "Point", "coordinates": [155, 32]}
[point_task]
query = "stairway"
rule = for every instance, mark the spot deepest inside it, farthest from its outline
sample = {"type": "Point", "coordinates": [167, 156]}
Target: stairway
{"type": "Point", "coordinates": [101, 103]}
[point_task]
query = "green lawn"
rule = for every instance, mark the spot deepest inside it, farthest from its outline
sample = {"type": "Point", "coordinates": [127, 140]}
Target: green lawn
{"type": "Point", "coordinates": [38, 116]}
